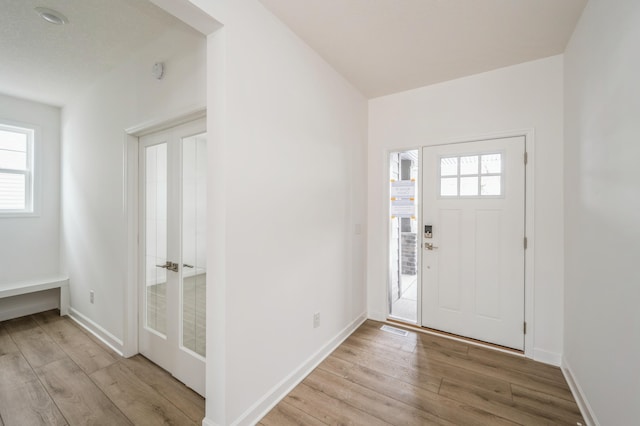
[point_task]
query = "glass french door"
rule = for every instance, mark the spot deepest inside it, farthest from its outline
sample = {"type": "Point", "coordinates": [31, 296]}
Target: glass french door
{"type": "Point", "coordinates": [173, 175]}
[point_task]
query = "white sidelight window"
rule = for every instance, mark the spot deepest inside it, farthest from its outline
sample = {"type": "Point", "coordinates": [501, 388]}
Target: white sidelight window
{"type": "Point", "coordinates": [16, 170]}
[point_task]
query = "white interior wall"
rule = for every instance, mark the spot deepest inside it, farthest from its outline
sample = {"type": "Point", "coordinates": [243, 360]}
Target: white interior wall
{"type": "Point", "coordinates": [30, 248]}
{"type": "Point", "coordinates": [602, 200]}
{"type": "Point", "coordinates": [30, 245]}
{"type": "Point", "coordinates": [520, 97]}
{"type": "Point", "coordinates": [287, 187]}
{"type": "Point", "coordinates": [94, 211]}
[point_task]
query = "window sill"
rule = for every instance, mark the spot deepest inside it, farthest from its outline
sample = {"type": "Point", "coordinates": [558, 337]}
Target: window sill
{"type": "Point", "coordinates": [15, 215]}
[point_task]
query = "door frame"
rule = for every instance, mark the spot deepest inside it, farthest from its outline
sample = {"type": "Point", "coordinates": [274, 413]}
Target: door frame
{"type": "Point", "coordinates": [130, 204]}
{"type": "Point", "coordinates": [529, 281]}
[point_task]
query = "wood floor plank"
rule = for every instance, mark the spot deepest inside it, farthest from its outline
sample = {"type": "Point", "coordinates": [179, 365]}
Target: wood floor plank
{"type": "Point", "coordinates": [75, 343]}
{"type": "Point", "coordinates": [511, 410]}
{"type": "Point", "coordinates": [426, 367]}
{"type": "Point", "coordinates": [371, 329]}
{"type": "Point", "coordinates": [285, 414]}
{"type": "Point", "coordinates": [389, 340]}
{"type": "Point", "coordinates": [387, 409]}
{"type": "Point", "coordinates": [496, 371]}
{"type": "Point", "coordinates": [142, 404]}
{"type": "Point", "coordinates": [517, 363]}
{"type": "Point", "coordinates": [329, 410]}
{"type": "Point", "coordinates": [78, 398]}
{"type": "Point", "coordinates": [399, 371]}
{"type": "Point", "coordinates": [27, 403]}
{"type": "Point", "coordinates": [430, 402]}
{"type": "Point", "coordinates": [7, 345]}
{"type": "Point", "coordinates": [14, 368]}
{"type": "Point", "coordinates": [188, 401]}
{"type": "Point", "coordinates": [560, 409]}
{"type": "Point", "coordinates": [23, 400]}
{"type": "Point", "coordinates": [36, 346]}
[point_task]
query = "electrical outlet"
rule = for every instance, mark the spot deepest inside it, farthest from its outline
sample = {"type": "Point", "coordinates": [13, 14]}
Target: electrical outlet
{"type": "Point", "coordinates": [91, 296]}
{"type": "Point", "coordinates": [316, 320]}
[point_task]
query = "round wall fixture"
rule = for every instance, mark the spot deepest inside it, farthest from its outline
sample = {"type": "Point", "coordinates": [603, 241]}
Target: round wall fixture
{"type": "Point", "coordinates": [52, 16]}
{"type": "Point", "coordinates": [158, 70]}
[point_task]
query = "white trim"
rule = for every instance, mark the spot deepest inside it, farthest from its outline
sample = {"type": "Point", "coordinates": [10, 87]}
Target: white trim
{"type": "Point", "coordinates": [378, 316]}
{"type": "Point", "coordinates": [581, 399]}
{"type": "Point", "coordinates": [547, 357]}
{"type": "Point", "coordinates": [207, 422]}
{"type": "Point", "coordinates": [130, 212]}
{"type": "Point", "coordinates": [166, 122]}
{"type": "Point", "coordinates": [105, 337]}
{"type": "Point", "coordinates": [529, 253]}
{"type": "Point", "coordinates": [190, 14]}
{"type": "Point", "coordinates": [269, 400]}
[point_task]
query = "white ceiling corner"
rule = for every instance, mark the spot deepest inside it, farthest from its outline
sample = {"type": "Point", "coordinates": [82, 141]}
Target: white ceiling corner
{"type": "Point", "coordinates": [50, 63]}
{"type": "Point", "coordinates": [388, 46]}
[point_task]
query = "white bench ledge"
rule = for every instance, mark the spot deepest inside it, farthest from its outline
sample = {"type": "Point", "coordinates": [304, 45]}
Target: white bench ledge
{"type": "Point", "coordinates": [31, 286]}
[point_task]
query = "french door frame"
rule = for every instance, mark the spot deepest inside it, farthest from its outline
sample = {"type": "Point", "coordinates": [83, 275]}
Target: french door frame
{"type": "Point", "coordinates": [130, 203]}
{"type": "Point", "coordinates": [529, 282]}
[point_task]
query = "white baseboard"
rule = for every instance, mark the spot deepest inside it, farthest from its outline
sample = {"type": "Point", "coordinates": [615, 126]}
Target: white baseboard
{"type": "Point", "coordinates": [585, 408]}
{"type": "Point", "coordinates": [547, 357]}
{"type": "Point", "coordinates": [107, 338]}
{"type": "Point", "coordinates": [279, 391]}
{"type": "Point", "coordinates": [377, 316]}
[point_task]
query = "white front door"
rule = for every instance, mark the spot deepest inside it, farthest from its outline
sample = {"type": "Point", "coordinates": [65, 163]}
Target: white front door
{"type": "Point", "coordinates": [173, 251]}
{"type": "Point", "coordinates": [473, 240]}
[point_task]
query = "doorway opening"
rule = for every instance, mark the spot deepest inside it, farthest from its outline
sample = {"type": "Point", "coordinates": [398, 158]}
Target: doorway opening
{"type": "Point", "coordinates": [403, 286]}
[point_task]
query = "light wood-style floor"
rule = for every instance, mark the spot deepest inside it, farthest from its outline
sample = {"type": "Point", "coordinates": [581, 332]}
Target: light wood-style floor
{"type": "Point", "coordinates": [54, 373]}
{"type": "Point", "coordinates": [378, 378]}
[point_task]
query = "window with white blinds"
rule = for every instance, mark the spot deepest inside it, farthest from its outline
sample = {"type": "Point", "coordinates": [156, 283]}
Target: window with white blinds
{"type": "Point", "coordinates": [16, 169]}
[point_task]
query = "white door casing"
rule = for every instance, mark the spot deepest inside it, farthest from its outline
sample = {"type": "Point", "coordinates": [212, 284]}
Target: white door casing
{"type": "Point", "coordinates": [164, 266]}
{"type": "Point", "coordinates": [473, 274]}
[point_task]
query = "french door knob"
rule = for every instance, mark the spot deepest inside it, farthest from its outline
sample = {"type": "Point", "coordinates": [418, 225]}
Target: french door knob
{"type": "Point", "coordinates": [171, 266]}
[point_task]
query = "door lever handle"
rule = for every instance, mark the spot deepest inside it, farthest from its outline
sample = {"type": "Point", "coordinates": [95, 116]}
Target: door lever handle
{"type": "Point", "coordinates": [430, 246]}
{"type": "Point", "coordinates": [184, 265]}
{"type": "Point", "coordinates": [171, 266]}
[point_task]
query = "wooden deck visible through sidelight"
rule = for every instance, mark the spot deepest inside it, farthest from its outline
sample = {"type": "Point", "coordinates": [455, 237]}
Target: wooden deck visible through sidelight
{"type": "Point", "coordinates": [54, 373]}
{"type": "Point", "coordinates": [376, 377]}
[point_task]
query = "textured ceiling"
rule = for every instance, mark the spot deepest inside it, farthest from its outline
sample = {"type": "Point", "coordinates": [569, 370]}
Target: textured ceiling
{"type": "Point", "coordinates": [387, 46]}
{"type": "Point", "coordinates": [50, 63]}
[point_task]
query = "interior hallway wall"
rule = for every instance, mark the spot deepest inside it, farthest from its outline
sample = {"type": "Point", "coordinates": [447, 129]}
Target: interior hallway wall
{"type": "Point", "coordinates": [602, 201]}
{"type": "Point", "coordinates": [94, 211]}
{"type": "Point", "coordinates": [287, 192]}
{"type": "Point", "coordinates": [520, 97]}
